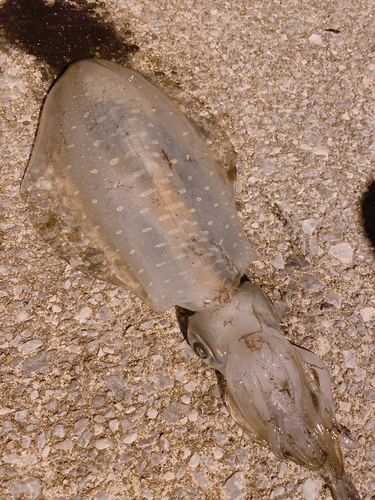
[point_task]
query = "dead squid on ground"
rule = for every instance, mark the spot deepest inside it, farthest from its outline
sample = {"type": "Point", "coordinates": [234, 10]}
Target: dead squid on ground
{"type": "Point", "coordinates": [122, 182]}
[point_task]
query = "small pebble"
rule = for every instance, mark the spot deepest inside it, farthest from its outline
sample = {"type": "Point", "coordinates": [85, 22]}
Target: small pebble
{"type": "Point", "coordinates": [194, 461]}
{"type": "Point", "coordinates": [308, 225]}
{"type": "Point", "coordinates": [127, 425]}
{"type": "Point", "coordinates": [116, 384]}
{"type": "Point", "coordinates": [152, 413]}
{"type": "Point", "coordinates": [277, 261]}
{"type": "Point", "coordinates": [130, 438]}
{"type": "Point", "coordinates": [190, 386]}
{"type": "Point", "coordinates": [342, 252]}
{"type": "Point", "coordinates": [59, 431]}
{"type": "Point", "coordinates": [85, 438]}
{"type": "Point", "coordinates": [31, 345]}
{"type": "Point", "coordinates": [171, 413]}
{"type": "Point", "coordinates": [161, 380]}
{"type": "Point", "coordinates": [311, 283]}
{"type": "Point", "coordinates": [279, 491]}
{"type": "Point", "coordinates": [31, 487]}
{"type": "Point", "coordinates": [316, 39]}
{"type": "Point", "coordinates": [310, 489]}
{"type": "Point", "coordinates": [65, 445]}
{"type": "Point", "coordinates": [367, 313]}
{"type": "Point", "coordinates": [19, 416]}
{"type": "Point", "coordinates": [36, 364]}
{"type": "Point", "coordinates": [333, 298]}
{"type": "Point", "coordinates": [350, 359]}
{"type": "Point", "coordinates": [80, 426]}
{"type": "Point", "coordinates": [235, 486]}
{"type": "Point", "coordinates": [104, 313]}
{"type": "Point", "coordinates": [103, 444]}
{"type": "Point", "coordinates": [84, 314]}
{"type": "Point", "coordinates": [201, 480]}
{"type": "Point", "coordinates": [157, 459]}
{"type": "Point", "coordinates": [101, 495]}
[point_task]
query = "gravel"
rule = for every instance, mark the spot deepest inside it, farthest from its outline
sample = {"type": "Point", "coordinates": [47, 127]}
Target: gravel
{"type": "Point", "coordinates": [103, 399]}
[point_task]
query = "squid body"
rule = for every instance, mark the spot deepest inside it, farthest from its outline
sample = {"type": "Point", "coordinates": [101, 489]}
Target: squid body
{"type": "Point", "coordinates": [121, 183]}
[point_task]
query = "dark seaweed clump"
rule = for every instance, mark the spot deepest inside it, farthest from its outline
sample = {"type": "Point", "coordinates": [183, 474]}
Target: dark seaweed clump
{"type": "Point", "coordinates": [368, 212]}
{"type": "Point", "coordinates": [61, 32]}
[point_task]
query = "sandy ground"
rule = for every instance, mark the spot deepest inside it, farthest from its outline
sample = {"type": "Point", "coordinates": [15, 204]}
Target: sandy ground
{"type": "Point", "coordinates": [100, 397]}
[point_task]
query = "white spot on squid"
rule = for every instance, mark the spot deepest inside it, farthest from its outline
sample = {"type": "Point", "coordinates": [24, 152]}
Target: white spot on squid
{"type": "Point", "coordinates": [135, 111]}
{"type": "Point", "coordinates": [209, 223]}
{"type": "Point", "coordinates": [114, 161]}
{"type": "Point", "coordinates": [140, 271]}
{"type": "Point", "coordinates": [207, 188]}
{"type": "Point", "coordinates": [139, 173]}
{"type": "Point", "coordinates": [86, 114]}
{"type": "Point", "coordinates": [119, 231]}
{"type": "Point", "coordinates": [167, 281]}
{"type": "Point", "coordinates": [226, 226]}
{"type": "Point", "coordinates": [75, 126]}
{"type": "Point", "coordinates": [159, 245]}
{"type": "Point", "coordinates": [155, 141]}
{"type": "Point", "coordinates": [181, 256]}
{"type": "Point", "coordinates": [71, 146]}
{"type": "Point", "coordinates": [146, 230]}
{"type": "Point", "coordinates": [173, 206]}
{"type": "Point", "coordinates": [68, 167]}
{"type": "Point", "coordinates": [144, 210]}
{"type": "Point", "coordinates": [189, 177]}
{"type": "Point", "coordinates": [173, 162]}
{"type": "Point", "coordinates": [182, 191]}
{"type": "Point", "coordinates": [95, 201]}
{"type": "Point", "coordinates": [185, 133]}
{"type": "Point", "coordinates": [165, 217]}
{"type": "Point", "coordinates": [150, 125]}
{"type": "Point", "coordinates": [192, 210]}
{"type": "Point", "coordinates": [199, 199]}
{"type": "Point", "coordinates": [94, 171]}
{"type": "Point", "coordinates": [96, 143]}
{"type": "Point", "coordinates": [132, 251]}
{"type": "Point", "coordinates": [160, 264]}
{"type": "Point", "coordinates": [147, 193]}
{"type": "Point", "coordinates": [119, 209]}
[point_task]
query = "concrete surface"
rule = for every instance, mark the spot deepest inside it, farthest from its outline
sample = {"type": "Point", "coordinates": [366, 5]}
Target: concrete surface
{"type": "Point", "coordinates": [100, 397]}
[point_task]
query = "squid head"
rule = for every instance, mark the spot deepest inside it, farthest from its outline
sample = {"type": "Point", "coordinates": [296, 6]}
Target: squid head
{"type": "Point", "coordinates": [278, 393]}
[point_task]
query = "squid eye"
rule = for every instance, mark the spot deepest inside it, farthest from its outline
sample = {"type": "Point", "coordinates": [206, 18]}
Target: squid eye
{"type": "Point", "coordinates": [200, 350]}
{"type": "Point", "coordinates": [205, 346]}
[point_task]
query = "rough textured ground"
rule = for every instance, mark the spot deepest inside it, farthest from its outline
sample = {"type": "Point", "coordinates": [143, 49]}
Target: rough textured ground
{"type": "Point", "coordinates": [100, 397]}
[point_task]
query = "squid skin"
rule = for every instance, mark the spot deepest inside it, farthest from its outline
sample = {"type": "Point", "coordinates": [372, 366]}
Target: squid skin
{"type": "Point", "coordinates": [121, 183]}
